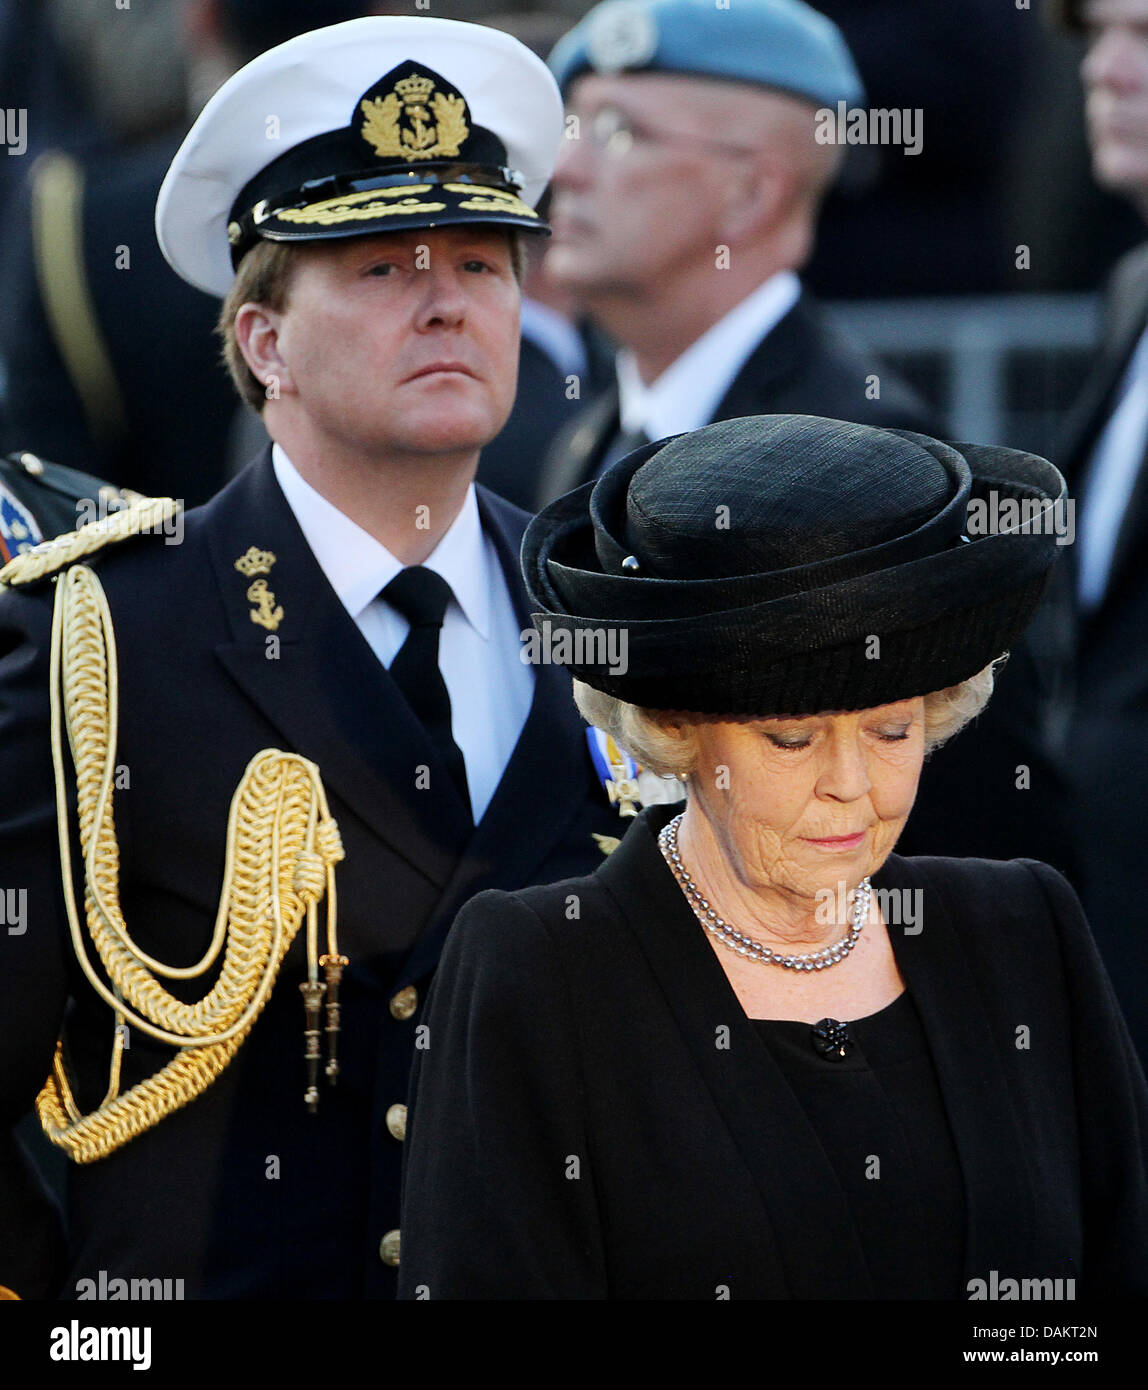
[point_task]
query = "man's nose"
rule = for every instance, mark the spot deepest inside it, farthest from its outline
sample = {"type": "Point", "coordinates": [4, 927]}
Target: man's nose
{"type": "Point", "coordinates": [443, 303]}
{"type": "Point", "coordinates": [577, 155]}
{"type": "Point", "coordinates": [1112, 60]}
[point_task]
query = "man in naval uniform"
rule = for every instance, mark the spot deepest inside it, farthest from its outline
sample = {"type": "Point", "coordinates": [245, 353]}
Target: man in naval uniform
{"type": "Point", "coordinates": [355, 196]}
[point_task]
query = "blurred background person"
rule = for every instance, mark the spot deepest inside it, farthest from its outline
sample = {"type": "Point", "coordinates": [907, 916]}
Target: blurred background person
{"type": "Point", "coordinates": [87, 374]}
{"type": "Point", "coordinates": [685, 204]}
{"type": "Point", "coordinates": [564, 361]}
{"type": "Point", "coordinates": [1103, 455]}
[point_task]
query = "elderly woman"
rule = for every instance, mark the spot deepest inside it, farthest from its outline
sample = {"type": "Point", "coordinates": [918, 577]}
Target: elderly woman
{"type": "Point", "coordinates": [757, 1055]}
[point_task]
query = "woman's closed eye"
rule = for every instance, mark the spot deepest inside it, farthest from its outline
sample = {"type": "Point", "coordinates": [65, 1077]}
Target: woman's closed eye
{"type": "Point", "coordinates": [789, 741]}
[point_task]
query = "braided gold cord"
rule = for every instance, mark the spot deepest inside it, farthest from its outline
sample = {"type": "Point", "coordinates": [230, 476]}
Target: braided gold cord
{"type": "Point", "coordinates": [281, 851]}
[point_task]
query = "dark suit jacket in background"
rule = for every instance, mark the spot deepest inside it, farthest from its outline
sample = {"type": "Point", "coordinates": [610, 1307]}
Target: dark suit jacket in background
{"type": "Point", "coordinates": [510, 463]}
{"type": "Point", "coordinates": [804, 366]}
{"type": "Point", "coordinates": [596, 1039]}
{"type": "Point", "coordinates": [192, 1198]}
{"type": "Point", "coordinates": [1107, 747]}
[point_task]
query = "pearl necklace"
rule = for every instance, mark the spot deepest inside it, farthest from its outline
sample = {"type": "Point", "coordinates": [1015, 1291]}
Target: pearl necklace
{"type": "Point", "coordinates": [747, 946]}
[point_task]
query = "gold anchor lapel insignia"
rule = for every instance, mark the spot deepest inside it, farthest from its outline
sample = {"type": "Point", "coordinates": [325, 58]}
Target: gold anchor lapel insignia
{"type": "Point", "coordinates": [266, 612]}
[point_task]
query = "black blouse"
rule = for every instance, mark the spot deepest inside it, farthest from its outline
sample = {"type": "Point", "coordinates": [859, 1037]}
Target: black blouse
{"type": "Point", "coordinates": [881, 1121]}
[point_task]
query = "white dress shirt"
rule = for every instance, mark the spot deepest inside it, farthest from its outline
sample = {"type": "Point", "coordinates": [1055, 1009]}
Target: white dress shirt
{"type": "Point", "coordinates": [691, 388]}
{"type": "Point", "coordinates": [490, 688]}
{"type": "Point", "coordinates": [1111, 477]}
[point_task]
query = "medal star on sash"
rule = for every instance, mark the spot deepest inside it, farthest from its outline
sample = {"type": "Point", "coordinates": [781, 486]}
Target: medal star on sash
{"type": "Point", "coordinates": [617, 770]}
{"type": "Point", "coordinates": [18, 529]}
{"type": "Point", "coordinates": [628, 785]}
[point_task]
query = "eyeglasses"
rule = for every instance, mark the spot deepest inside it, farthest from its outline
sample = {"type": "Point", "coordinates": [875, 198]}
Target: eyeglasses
{"type": "Point", "coordinates": [615, 133]}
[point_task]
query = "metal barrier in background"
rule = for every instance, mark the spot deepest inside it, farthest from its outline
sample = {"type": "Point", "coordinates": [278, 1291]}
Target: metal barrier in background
{"type": "Point", "coordinates": [999, 369]}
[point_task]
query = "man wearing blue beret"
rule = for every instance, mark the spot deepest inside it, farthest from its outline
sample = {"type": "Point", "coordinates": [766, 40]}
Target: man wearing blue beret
{"type": "Point", "coordinates": [686, 200]}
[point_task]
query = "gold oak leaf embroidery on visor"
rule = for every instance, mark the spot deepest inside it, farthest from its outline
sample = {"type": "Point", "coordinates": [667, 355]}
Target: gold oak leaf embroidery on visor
{"type": "Point", "coordinates": [361, 207]}
{"type": "Point", "coordinates": [489, 200]}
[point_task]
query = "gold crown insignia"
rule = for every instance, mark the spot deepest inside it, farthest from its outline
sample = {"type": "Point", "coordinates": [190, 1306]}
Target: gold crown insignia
{"type": "Point", "coordinates": [255, 562]}
{"type": "Point", "coordinates": [413, 90]}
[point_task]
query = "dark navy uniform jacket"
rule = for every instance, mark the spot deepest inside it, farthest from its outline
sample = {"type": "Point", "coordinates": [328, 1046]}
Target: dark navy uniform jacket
{"type": "Point", "coordinates": [243, 1193]}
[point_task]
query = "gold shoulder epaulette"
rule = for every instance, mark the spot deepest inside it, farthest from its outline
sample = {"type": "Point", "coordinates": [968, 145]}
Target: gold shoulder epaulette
{"type": "Point", "coordinates": [142, 516]}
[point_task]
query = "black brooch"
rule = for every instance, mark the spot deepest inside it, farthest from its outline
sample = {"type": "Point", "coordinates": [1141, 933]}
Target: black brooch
{"type": "Point", "coordinates": [831, 1040]}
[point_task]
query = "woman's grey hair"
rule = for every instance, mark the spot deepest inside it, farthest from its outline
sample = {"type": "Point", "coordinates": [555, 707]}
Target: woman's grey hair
{"type": "Point", "coordinates": [670, 748]}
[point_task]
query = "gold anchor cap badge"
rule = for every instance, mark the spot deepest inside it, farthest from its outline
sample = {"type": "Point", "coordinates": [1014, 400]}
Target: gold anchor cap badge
{"type": "Point", "coordinates": [413, 113]}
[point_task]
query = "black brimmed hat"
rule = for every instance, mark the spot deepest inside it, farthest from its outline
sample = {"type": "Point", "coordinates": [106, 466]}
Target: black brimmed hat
{"type": "Point", "coordinates": [790, 565]}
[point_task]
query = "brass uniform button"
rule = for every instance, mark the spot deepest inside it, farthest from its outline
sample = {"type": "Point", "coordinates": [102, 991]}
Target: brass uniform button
{"type": "Point", "coordinates": [389, 1249]}
{"type": "Point", "coordinates": [397, 1121]}
{"type": "Point", "coordinates": [405, 1002]}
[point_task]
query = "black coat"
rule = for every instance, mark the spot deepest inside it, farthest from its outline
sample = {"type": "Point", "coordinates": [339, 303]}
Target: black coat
{"type": "Point", "coordinates": [803, 366]}
{"type": "Point", "coordinates": [1108, 735]}
{"type": "Point", "coordinates": [597, 1039]}
{"type": "Point", "coordinates": [192, 1198]}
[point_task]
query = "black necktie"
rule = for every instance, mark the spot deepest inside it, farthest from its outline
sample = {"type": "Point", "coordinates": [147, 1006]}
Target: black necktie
{"type": "Point", "coordinates": [421, 596]}
{"type": "Point", "coordinates": [624, 442]}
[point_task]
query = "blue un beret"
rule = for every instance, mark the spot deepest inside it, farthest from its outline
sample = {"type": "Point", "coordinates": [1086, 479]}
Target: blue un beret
{"type": "Point", "coordinates": [778, 43]}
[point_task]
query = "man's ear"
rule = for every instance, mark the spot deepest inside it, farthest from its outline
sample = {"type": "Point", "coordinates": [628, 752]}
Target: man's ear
{"type": "Point", "coordinates": [257, 334]}
{"type": "Point", "coordinates": [756, 199]}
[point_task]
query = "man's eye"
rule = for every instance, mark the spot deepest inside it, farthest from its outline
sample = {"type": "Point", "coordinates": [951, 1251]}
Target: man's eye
{"type": "Point", "coordinates": [383, 268]}
{"type": "Point", "coordinates": [477, 266]}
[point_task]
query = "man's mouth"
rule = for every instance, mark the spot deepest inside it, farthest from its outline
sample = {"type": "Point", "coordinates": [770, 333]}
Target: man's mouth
{"type": "Point", "coordinates": [435, 368]}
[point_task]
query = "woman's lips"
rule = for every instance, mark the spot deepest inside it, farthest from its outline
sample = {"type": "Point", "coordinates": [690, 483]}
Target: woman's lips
{"type": "Point", "coordinates": [843, 842]}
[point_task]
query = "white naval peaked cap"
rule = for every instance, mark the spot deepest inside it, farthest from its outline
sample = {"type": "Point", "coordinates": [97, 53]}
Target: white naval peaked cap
{"type": "Point", "coordinates": [377, 124]}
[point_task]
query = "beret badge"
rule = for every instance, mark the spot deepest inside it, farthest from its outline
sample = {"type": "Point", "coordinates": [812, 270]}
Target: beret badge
{"type": "Point", "coordinates": [621, 34]}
